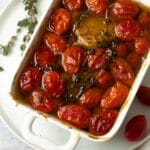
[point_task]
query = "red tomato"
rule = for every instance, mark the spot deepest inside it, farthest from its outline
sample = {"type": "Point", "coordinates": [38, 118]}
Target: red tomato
{"type": "Point", "coordinates": [135, 128]}
{"type": "Point", "coordinates": [43, 57]}
{"type": "Point", "coordinates": [73, 5]}
{"type": "Point", "coordinates": [122, 71]}
{"type": "Point", "coordinates": [121, 50]}
{"type": "Point", "coordinates": [61, 21]}
{"type": "Point", "coordinates": [97, 6]}
{"type": "Point", "coordinates": [98, 59]}
{"type": "Point", "coordinates": [144, 19]}
{"type": "Point", "coordinates": [124, 9]}
{"type": "Point", "coordinates": [143, 95]}
{"type": "Point", "coordinates": [53, 83]}
{"type": "Point", "coordinates": [114, 96]}
{"type": "Point", "coordinates": [75, 114]}
{"type": "Point", "coordinates": [127, 30]}
{"type": "Point", "coordinates": [104, 78]}
{"type": "Point", "coordinates": [55, 42]}
{"type": "Point", "coordinates": [90, 98]}
{"type": "Point", "coordinates": [40, 100]}
{"type": "Point", "coordinates": [72, 59]}
{"type": "Point", "coordinates": [141, 45]}
{"type": "Point", "coordinates": [29, 79]}
{"type": "Point", "coordinates": [102, 123]}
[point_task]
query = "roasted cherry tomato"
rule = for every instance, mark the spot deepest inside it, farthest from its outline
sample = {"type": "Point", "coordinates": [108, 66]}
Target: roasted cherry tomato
{"type": "Point", "coordinates": [114, 96]}
{"type": "Point", "coordinates": [127, 30]}
{"type": "Point", "coordinates": [29, 79]}
{"type": "Point", "coordinates": [91, 97]}
{"type": "Point", "coordinates": [144, 19]}
{"type": "Point", "coordinates": [98, 59]}
{"type": "Point", "coordinates": [135, 128]}
{"type": "Point", "coordinates": [43, 57]}
{"type": "Point", "coordinates": [122, 71]}
{"type": "Point", "coordinates": [61, 21]}
{"type": "Point", "coordinates": [143, 95]}
{"type": "Point", "coordinates": [40, 100]}
{"type": "Point", "coordinates": [55, 42]}
{"type": "Point", "coordinates": [121, 50]}
{"type": "Point", "coordinates": [97, 6]}
{"type": "Point", "coordinates": [141, 45]}
{"type": "Point", "coordinates": [75, 114]}
{"type": "Point", "coordinates": [102, 123]}
{"type": "Point", "coordinates": [124, 9]}
{"type": "Point", "coordinates": [73, 5]}
{"type": "Point", "coordinates": [53, 83]}
{"type": "Point", "coordinates": [104, 78]}
{"type": "Point", "coordinates": [72, 59]}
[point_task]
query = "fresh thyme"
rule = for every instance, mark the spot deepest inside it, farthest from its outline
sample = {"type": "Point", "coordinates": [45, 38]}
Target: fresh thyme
{"type": "Point", "coordinates": [1, 69]}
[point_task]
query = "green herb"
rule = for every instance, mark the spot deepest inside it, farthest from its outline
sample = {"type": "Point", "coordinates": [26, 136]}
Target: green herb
{"type": "Point", "coordinates": [1, 69]}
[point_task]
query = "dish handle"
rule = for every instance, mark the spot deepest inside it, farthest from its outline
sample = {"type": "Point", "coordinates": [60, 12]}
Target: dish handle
{"type": "Point", "coordinates": [43, 143]}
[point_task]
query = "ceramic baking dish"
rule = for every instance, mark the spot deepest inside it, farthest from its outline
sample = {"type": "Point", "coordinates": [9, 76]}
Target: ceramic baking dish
{"type": "Point", "coordinates": [75, 133]}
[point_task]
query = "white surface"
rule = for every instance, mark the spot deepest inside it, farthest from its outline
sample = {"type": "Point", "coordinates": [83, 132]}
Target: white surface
{"type": "Point", "coordinates": [14, 118]}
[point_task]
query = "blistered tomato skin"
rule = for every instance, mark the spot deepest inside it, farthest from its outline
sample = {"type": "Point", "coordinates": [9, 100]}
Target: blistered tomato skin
{"type": "Point", "coordinates": [73, 5]}
{"type": "Point", "coordinates": [90, 98]}
{"type": "Point", "coordinates": [97, 6]}
{"type": "Point", "coordinates": [29, 79]}
{"type": "Point", "coordinates": [55, 42]}
{"type": "Point", "coordinates": [53, 83]}
{"type": "Point", "coordinates": [114, 96]}
{"type": "Point", "coordinates": [144, 19]}
{"type": "Point", "coordinates": [40, 100]}
{"type": "Point", "coordinates": [102, 123]}
{"type": "Point", "coordinates": [122, 71]}
{"type": "Point", "coordinates": [61, 21]}
{"type": "Point", "coordinates": [72, 59]}
{"type": "Point", "coordinates": [127, 30]}
{"type": "Point", "coordinates": [75, 115]}
{"type": "Point", "coordinates": [135, 128]}
{"type": "Point", "coordinates": [124, 9]}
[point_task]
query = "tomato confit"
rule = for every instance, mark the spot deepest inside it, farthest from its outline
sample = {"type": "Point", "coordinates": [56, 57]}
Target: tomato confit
{"type": "Point", "coordinates": [86, 62]}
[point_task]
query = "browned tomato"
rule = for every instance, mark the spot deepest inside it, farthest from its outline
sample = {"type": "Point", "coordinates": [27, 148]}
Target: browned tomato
{"type": "Point", "coordinates": [73, 5]}
{"type": "Point", "coordinates": [53, 83]}
{"type": "Point", "coordinates": [55, 42]}
{"type": "Point", "coordinates": [75, 114]}
{"type": "Point", "coordinates": [121, 50]}
{"type": "Point", "coordinates": [122, 71]}
{"type": "Point", "coordinates": [97, 6]}
{"type": "Point", "coordinates": [144, 19]}
{"type": "Point", "coordinates": [40, 100]}
{"type": "Point", "coordinates": [72, 59]}
{"type": "Point", "coordinates": [114, 96]}
{"type": "Point", "coordinates": [127, 30]}
{"type": "Point", "coordinates": [61, 21]}
{"type": "Point", "coordinates": [124, 9]}
{"type": "Point", "coordinates": [29, 79]}
{"type": "Point", "coordinates": [91, 97]}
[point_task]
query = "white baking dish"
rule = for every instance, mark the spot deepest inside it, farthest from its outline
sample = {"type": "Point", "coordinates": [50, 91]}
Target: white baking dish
{"type": "Point", "coordinates": [75, 133]}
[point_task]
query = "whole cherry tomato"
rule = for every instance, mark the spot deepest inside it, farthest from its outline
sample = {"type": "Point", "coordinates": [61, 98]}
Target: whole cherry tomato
{"type": "Point", "coordinates": [102, 123]}
{"type": "Point", "coordinates": [43, 57]}
{"type": "Point", "coordinates": [135, 128]}
{"type": "Point", "coordinates": [72, 59]}
{"type": "Point", "coordinates": [75, 114]}
{"type": "Point", "coordinates": [55, 42]}
{"type": "Point", "coordinates": [122, 71]}
{"type": "Point", "coordinates": [91, 97]}
{"type": "Point", "coordinates": [114, 96]}
{"type": "Point", "coordinates": [61, 21]}
{"type": "Point", "coordinates": [40, 100]}
{"type": "Point", "coordinates": [124, 9]}
{"type": "Point", "coordinates": [97, 6]}
{"type": "Point", "coordinates": [29, 79]}
{"type": "Point", "coordinates": [144, 19]}
{"type": "Point", "coordinates": [141, 45]}
{"type": "Point", "coordinates": [73, 5]}
{"type": "Point", "coordinates": [53, 83]}
{"type": "Point", "coordinates": [143, 95]}
{"type": "Point", "coordinates": [127, 30]}
{"type": "Point", "coordinates": [121, 50]}
{"type": "Point", "coordinates": [98, 59]}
